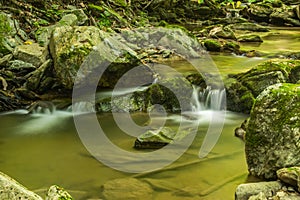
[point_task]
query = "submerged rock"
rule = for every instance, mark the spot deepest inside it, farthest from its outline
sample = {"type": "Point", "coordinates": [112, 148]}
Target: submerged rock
{"type": "Point", "coordinates": [127, 188]}
{"type": "Point", "coordinates": [10, 189]}
{"type": "Point", "coordinates": [272, 134]}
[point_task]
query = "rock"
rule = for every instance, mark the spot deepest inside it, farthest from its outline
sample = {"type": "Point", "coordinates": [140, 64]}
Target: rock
{"type": "Point", "coordinates": [295, 74]}
{"type": "Point", "coordinates": [259, 196]}
{"type": "Point", "coordinates": [158, 138]}
{"type": "Point", "coordinates": [127, 188]}
{"type": "Point", "coordinates": [259, 12]}
{"type": "Point", "coordinates": [222, 32]}
{"type": "Point", "coordinates": [5, 59]}
{"type": "Point", "coordinates": [272, 139]}
{"type": "Point", "coordinates": [57, 193]}
{"type": "Point", "coordinates": [242, 89]}
{"type": "Point", "coordinates": [240, 132]}
{"type": "Point", "coordinates": [212, 45]}
{"type": "Point", "coordinates": [247, 26]}
{"type": "Point", "coordinates": [172, 38]}
{"type": "Point", "coordinates": [290, 176]}
{"type": "Point", "coordinates": [231, 46]}
{"type": "Point", "coordinates": [174, 94]}
{"type": "Point", "coordinates": [297, 11]}
{"type": "Point", "coordinates": [68, 20]}
{"type": "Point", "coordinates": [31, 53]}
{"type": "Point", "coordinates": [37, 80]}
{"type": "Point", "coordinates": [123, 103]}
{"type": "Point", "coordinates": [20, 67]}
{"type": "Point", "coordinates": [43, 34]}
{"type": "Point", "coordinates": [10, 189]}
{"type": "Point", "coordinates": [267, 189]}
{"type": "Point", "coordinates": [281, 16]}
{"type": "Point", "coordinates": [249, 38]}
{"type": "Point", "coordinates": [70, 46]}
{"type": "Point", "coordinates": [239, 97]}
{"type": "Point", "coordinates": [82, 18]}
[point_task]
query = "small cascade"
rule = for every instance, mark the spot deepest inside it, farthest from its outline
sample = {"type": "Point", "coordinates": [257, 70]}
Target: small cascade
{"type": "Point", "coordinates": [82, 107]}
{"type": "Point", "coordinates": [42, 107]}
{"type": "Point", "coordinates": [208, 99]}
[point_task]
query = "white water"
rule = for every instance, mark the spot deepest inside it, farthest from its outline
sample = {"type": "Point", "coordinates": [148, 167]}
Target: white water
{"type": "Point", "coordinates": [208, 99]}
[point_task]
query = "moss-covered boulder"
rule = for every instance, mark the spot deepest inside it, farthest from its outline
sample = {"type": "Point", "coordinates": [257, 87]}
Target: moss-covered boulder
{"type": "Point", "coordinates": [272, 134]}
{"type": "Point", "coordinates": [174, 94]}
{"type": "Point", "coordinates": [243, 88]}
{"type": "Point", "coordinates": [70, 46]}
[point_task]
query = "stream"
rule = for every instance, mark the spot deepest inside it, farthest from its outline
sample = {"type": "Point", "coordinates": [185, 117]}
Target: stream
{"type": "Point", "coordinates": [43, 149]}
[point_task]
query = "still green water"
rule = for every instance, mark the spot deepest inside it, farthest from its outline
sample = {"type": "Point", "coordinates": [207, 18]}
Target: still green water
{"type": "Point", "coordinates": [41, 150]}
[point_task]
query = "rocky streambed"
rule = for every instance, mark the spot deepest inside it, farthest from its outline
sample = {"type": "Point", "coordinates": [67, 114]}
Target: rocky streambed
{"type": "Point", "coordinates": [39, 74]}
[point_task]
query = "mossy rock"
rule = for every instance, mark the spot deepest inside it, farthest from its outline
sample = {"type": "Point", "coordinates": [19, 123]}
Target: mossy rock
{"type": "Point", "coordinates": [212, 45]}
{"type": "Point", "coordinates": [250, 38]}
{"type": "Point", "coordinates": [272, 134]}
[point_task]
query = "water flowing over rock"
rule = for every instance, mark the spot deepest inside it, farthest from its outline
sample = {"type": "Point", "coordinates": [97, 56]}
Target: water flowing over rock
{"type": "Point", "coordinates": [272, 134]}
{"type": "Point", "coordinates": [127, 188]}
{"type": "Point", "coordinates": [12, 190]}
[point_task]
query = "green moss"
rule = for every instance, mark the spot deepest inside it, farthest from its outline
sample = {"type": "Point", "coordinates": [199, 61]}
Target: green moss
{"type": "Point", "coordinates": [212, 45]}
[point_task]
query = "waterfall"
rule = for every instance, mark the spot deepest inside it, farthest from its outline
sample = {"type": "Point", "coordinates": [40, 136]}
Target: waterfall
{"type": "Point", "coordinates": [82, 107]}
{"type": "Point", "coordinates": [208, 99]}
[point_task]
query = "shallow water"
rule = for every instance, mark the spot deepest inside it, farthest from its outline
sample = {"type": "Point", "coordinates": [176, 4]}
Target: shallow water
{"type": "Point", "coordinates": [277, 40]}
{"type": "Point", "coordinates": [41, 150]}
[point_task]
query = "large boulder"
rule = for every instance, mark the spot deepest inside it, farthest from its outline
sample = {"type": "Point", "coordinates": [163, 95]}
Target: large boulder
{"type": "Point", "coordinates": [243, 88]}
{"type": "Point", "coordinates": [272, 134]}
{"type": "Point", "coordinates": [10, 189]}
{"type": "Point", "coordinates": [70, 46]}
